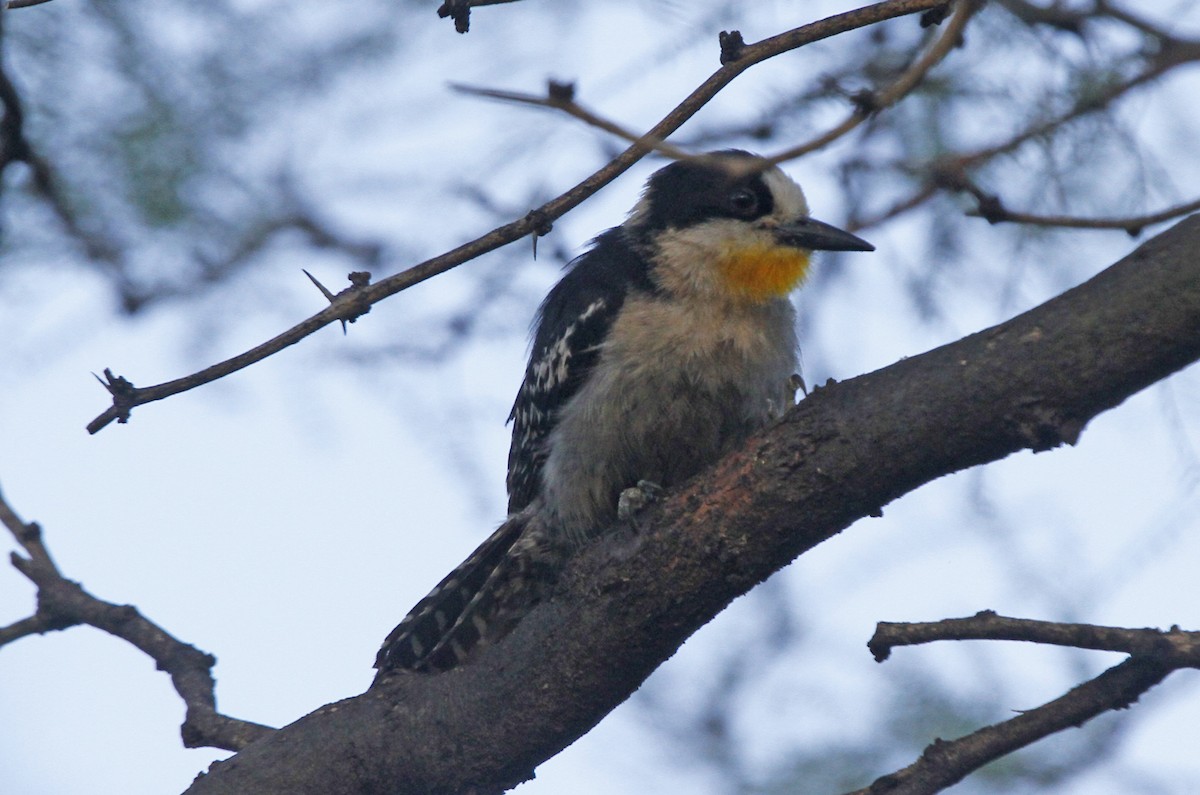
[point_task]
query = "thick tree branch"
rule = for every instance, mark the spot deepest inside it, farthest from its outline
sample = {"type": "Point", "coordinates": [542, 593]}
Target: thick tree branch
{"type": "Point", "coordinates": [848, 449]}
{"type": "Point", "coordinates": [353, 302]}
{"type": "Point", "coordinates": [62, 603]}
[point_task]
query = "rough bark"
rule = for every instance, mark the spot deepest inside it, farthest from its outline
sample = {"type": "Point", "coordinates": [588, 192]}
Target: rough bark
{"type": "Point", "coordinates": [843, 453]}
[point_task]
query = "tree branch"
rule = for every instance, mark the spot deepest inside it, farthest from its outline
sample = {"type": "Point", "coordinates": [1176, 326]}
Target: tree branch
{"type": "Point", "coordinates": [62, 604]}
{"type": "Point", "coordinates": [1154, 655]}
{"type": "Point", "coordinates": [992, 210]}
{"type": "Point", "coordinates": [625, 605]}
{"type": "Point", "coordinates": [986, 625]}
{"type": "Point", "coordinates": [950, 172]}
{"type": "Point", "coordinates": [353, 302]}
{"type": "Point", "coordinates": [946, 763]}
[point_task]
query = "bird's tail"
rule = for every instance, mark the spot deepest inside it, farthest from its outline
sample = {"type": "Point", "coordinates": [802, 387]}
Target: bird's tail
{"type": "Point", "coordinates": [476, 604]}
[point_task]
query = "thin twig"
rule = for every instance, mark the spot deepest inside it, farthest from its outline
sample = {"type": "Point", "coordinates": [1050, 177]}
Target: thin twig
{"type": "Point", "coordinates": [870, 104]}
{"type": "Point", "coordinates": [748, 56]}
{"type": "Point", "coordinates": [995, 213]}
{"type": "Point", "coordinates": [945, 763]}
{"type": "Point", "coordinates": [561, 96]}
{"type": "Point", "coordinates": [948, 172]}
{"type": "Point", "coordinates": [987, 625]}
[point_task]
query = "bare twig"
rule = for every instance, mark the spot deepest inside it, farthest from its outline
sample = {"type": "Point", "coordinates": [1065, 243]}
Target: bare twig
{"type": "Point", "coordinates": [994, 212]}
{"type": "Point", "coordinates": [748, 56]}
{"type": "Point", "coordinates": [561, 96]}
{"type": "Point", "coordinates": [1153, 655]}
{"type": "Point", "coordinates": [870, 103]}
{"type": "Point", "coordinates": [987, 625]}
{"type": "Point", "coordinates": [945, 763]}
{"type": "Point", "coordinates": [949, 172]}
{"type": "Point", "coordinates": [62, 603]}
{"type": "Point", "coordinates": [25, 3]}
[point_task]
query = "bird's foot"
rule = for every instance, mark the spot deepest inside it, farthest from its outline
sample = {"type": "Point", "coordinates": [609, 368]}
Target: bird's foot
{"type": "Point", "coordinates": [635, 500]}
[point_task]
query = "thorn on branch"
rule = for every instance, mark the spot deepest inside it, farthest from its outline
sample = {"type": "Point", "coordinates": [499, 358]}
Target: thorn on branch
{"type": "Point", "coordinates": [324, 290]}
{"type": "Point", "coordinates": [541, 224]}
{"type": "Point", "coordinates": [732, 46]}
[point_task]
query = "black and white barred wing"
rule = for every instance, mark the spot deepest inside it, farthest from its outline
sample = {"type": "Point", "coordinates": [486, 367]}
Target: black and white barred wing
{"type": "Point", "coordinates": [572, 324]}
{"type": "Point", "coordinates": [556, 369]}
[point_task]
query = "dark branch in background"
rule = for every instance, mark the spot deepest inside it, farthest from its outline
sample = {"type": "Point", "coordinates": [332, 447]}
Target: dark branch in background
{"type": "Point", "coordinates": [1153, 655]}
{"type": "Point", "coordinates": [842, 453]}
{"type": "Point", "coordinates": [14, 146]}
{"type": "Point", "coordinates": [353, 302]}
{"type": "Point", "coordinates": [62, 603]}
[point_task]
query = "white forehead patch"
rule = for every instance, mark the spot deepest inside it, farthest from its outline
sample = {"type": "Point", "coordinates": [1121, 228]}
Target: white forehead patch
{"type": "Point", "coordinates": [789, 199]}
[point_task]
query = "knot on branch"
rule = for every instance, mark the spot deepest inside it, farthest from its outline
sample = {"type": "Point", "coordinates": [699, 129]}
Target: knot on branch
{"type": "Point", "coordinates": [560, 92]}
{"type": "Point", "coordinates": [990, 208]}
{"type": "Point", "coordinates": [732, 46]}
{"type": "Point", "coordinates": [354, 297]}
{"type": "Point", "coordinates": [935, 16]}
{"type": "Point", "coordinates": [866, 102]}
{"type": "Point", "coordinates": [459, 11]}
{"type": "Point", "coordinates": [122, 391]}
{"type": "Point", "coordinates": [1041, 427]}
{"type": "Point", "coordinates": [540, 223]}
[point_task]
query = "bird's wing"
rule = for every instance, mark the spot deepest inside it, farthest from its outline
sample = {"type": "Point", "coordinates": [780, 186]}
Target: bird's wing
{"type": "Point", "coordinates": [572, 324]}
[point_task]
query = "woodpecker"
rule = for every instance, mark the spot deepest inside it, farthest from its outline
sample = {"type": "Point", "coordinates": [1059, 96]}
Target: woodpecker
{"type": "Point", "coordinates": [663, 347]}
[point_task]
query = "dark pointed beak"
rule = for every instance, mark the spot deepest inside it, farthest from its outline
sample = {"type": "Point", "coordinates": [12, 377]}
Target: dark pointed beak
{"type": "Point", "coordinates": [819, 236]}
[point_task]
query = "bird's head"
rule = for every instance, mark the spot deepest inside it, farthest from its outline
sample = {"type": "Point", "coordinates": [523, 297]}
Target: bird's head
{"type": "Point", "coordinates": [729, 224]}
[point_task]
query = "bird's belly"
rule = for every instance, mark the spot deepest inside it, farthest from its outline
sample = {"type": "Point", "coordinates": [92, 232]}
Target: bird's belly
{"type": "Point", "coordinates": [662, 418]}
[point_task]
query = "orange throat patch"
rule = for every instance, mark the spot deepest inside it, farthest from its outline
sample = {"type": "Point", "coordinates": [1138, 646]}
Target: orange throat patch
{"type": "Point", "coordinates": [760, 273]}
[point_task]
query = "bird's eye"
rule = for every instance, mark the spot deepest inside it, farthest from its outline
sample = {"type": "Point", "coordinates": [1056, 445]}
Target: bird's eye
{"type": "Point", "coordinates": [743, 202]}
